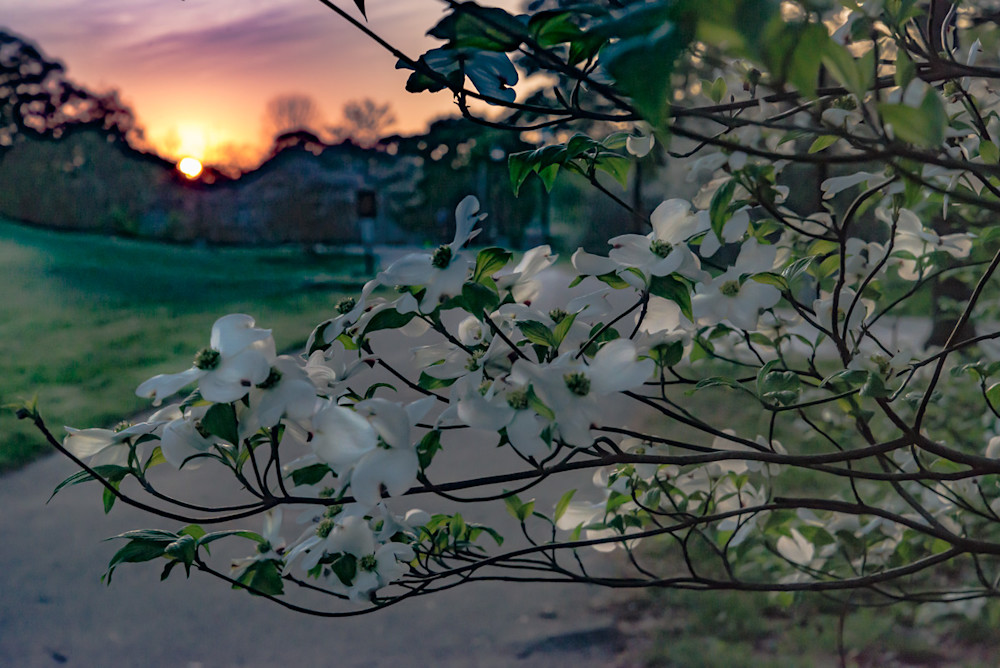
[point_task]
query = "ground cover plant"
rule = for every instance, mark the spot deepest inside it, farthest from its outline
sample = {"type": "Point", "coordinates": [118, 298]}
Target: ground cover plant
{"type": "Point", "coordinates": [844, 149]}
{"type": "Point", "coordinates": [85, 317]}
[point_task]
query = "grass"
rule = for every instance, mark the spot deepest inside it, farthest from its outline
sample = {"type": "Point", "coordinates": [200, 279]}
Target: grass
{"type": "Point", "coordinates": [86, 318]}
{"type": "Point", "coordinates": [707, 629]}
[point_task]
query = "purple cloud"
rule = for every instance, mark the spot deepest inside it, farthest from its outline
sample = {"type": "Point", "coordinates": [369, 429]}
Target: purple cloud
{"type": "Point", "coordinates": [248, 40]}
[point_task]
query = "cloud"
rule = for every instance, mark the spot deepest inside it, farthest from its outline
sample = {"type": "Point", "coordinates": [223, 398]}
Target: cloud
{"type": "Point", "coordinates": [244, 41]}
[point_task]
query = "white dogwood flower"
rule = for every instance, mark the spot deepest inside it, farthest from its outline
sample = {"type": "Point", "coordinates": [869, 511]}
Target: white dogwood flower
{"type": "Point", "coordinates": [239, 356]}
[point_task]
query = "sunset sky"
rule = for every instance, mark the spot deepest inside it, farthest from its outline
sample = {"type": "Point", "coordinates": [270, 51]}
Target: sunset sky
{"type": "Point", "coordinates": [199, 73]}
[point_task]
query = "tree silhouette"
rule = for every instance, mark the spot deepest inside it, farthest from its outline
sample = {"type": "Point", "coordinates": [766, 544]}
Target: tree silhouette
{"type": "Point", "coordinates": [365, 122]}
{"type": "Point", "coordinates": [289, 113]}
{"type": "Point", "coordinates": [36, 97]}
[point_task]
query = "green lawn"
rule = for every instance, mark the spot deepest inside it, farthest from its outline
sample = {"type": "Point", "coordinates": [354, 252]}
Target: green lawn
{"type": "Point", "coordinates": [85, 318]}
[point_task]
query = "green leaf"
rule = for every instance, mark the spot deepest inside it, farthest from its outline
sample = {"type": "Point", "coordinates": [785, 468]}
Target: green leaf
{"type": "Point", "coordinates": [874, 387]}
{"type": "Point", "coordinates": [155, 458]}
{"type": "Point", "coordinates": [922, 126]}
{"type": "Point", "coordinates": [345, 568]}
{"type": "Point", "coordinates": [479, 299]}
{"type": "Point", "coordinates": [457, 525]}
{"type": "Point", "coordinates": [993, 395]}
{"type": "Point", "coordinates": [779, 387]}
{"type": "Point", "coordinates": [520, 166]}
{"type": "Point", "coordinates": [539, 406]}
{"type": "Point", "coordinates": [803, 69]}
{"type": "Point", "coordinates": [209, 538]}
{"type": "Point", "coordinates": [554, 27]}
{"type": "Point", "coordinates": [770, 278]}
{"type": "Point", "coordinates": [183, 550]}
{"type": "Point", "coordinates": [844, 68]}
{"type": "Point", "coordinates": [700, 349]}
{"type": "Point", "coordinates": [167, 569]}
{"type": "Point", "coordinates": [220, 420]}
{"type": "Point", "coordinates": [718, 381]}
{"type": "Point", "coordinates": [672, 288]}
{"type": "Point", "coordinates": [719, 208]}
{"type": "Point", "coordinates": [388, 319]}
{"type": "Point", "coordinates": [823, 142]}
{"type": "Point", "coordinates": [147, 534]}
{"type": "Point", "coordinates": [615, 165]}
{"type": "Point", "coordinates": [563, 504]}
{"type": "Point", "coordinates": [109, 498]}
{"type": "Point", "coordinates": [497, 538]}
{"type": "Point", "coordinates": [905, 69]}
{"type": "Point", "coordinates": [667, 354]}
{"type": "Point", "coordinates": [429, 445]}
{"type": "Point", "coordinates": [474, 27]}
{"type": "Point", "coordinates": [562, 328]}
{"type": "Point", "coordinates": [262, 577]}
{"type": "Point", "coordinates": [521, 510]}
{"type": "Point", "coordinates": [513, 504]}
{"type": "Point", "coordinates": [375, 387]}
{"type": "Point", "coordinates": [194, 530]}
{"type": "Point", "coordinates": [852, 377]}
{"type": "Point", "coordinates": [989, 152]}
{"type": "Point", "coordinates": [538, 333]}
{"type": "Point", "coordinates": [584, 48]}
{"type": "Point", "coordinates": [616, 141]}
{"type": "Point", "coordinates": [717, 90]}
{"type": "Point", "coordinates": [797, 268]}
{"type": "Point", "coordinates": [642, 65]}
{"type": "Point", "coordinates": [548, 176]}
{"type": "Point", "coordinates": [489, 261]}
{"type": "Point", "coordinates": [309, 475]}
{"type": "Point", "coordinates": [581, 143]}
{"type": "Point", "coordinates": [109, 472]}
{"type": "Point", "coordinates": [136, 551]}
{"type": "Point", "coordinates": [613, 280]}
{"type": "Point", "coordinates": [432, 383]}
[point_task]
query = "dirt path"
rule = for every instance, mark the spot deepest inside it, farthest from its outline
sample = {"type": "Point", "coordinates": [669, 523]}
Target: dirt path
{"type": "Point", "coordinates": [53, 609]}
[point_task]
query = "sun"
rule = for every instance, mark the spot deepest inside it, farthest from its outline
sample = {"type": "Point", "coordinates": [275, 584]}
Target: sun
{"type": "Point", "coordinates": [189, 167]}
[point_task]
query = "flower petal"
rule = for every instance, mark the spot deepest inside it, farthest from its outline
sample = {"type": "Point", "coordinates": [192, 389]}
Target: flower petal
{"type": "Point", "coordinates": [232, 333]}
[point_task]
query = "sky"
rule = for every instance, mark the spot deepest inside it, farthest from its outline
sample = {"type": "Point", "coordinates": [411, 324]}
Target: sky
{"type": "Point", "coordinates": [199, 73]}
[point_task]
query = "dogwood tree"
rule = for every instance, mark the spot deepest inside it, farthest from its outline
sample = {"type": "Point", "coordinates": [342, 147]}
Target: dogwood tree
{"type": "Point", "coordinates": [739, 371]}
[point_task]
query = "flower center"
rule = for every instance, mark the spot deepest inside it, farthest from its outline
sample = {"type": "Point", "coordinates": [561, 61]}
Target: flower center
{"type": "Point", "coordinates": [517, 399]}
{"type": "Point", "coordinates": [206, 359]}
{"type": "Point", "coordinates": [367, 563]}
{"type": "Point", "coordinates": [884, 366]}
{"type": "Point", "coordinates": [484, 387]}
{"type": "Point", "coordinates": [346, 305]}
{"type": "Point", "coordinates": [263, 548]}
{"type": "Point", "coordinates": [577, 383]}
{"type": "Point", "coordinates": [332, 511]}
{"type": "Point", "coordinates": [122, 426]}
{"type": "Point", "coordinates": [730, 288]}
{"type": "Point", "coordinates": [441, 257]}
{"type": "Point", "coordinates": [272, 379]}
{"type": "Point", "coordinates": [661, 248]}
{"type": "Point", "coordinates": [845, 102]}
{"type": "Point", "coordinates": [324, 528]}
{"type": "Point", "coordinates": [473, 362]}
{"type": "Point", "coordinates": [558, 315]}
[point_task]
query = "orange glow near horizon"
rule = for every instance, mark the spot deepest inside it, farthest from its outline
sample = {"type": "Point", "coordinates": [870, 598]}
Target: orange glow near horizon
{"type": "Point", "coordinates": [189, 167]}
{"type": "Point", "coordinates": [199, 76]}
